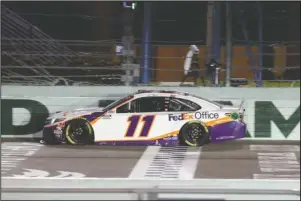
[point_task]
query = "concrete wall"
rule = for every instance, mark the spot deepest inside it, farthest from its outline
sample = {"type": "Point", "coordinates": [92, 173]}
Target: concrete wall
{"type": "Point", "coordinates": [271, 113]}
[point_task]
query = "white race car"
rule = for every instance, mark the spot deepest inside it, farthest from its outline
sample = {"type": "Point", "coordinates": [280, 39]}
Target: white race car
{"type": "Point", "coordinates": [148, 117]}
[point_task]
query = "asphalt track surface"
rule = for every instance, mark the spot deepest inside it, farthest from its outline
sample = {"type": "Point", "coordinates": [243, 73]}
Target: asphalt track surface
{"type": "Point", "coordinates": [230, 160]}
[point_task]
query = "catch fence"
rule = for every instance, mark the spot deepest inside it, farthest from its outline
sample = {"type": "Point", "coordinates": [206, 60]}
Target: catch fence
{"type": "Point", "coordinates": [31, 57]}
{"type": "Point", "coordinates": [34, 62]}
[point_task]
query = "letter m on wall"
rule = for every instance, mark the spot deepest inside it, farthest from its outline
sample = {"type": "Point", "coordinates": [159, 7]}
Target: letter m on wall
{"type": "Point", "coordinates": [266, 113]}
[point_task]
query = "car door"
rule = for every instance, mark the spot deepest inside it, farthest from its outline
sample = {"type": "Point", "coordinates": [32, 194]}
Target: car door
{"type": "Point", "coordinates": [143, 118]}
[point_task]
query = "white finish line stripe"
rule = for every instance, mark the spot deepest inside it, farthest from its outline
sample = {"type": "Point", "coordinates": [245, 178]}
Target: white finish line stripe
{"type": "Point", "coordinates": [167, 162]}
{"type": "Point", "coordinates": [276, 148]}
{"type": "Point", "coordinates": [144, 162]}
{"type": "Point", "coordinates": [190, 163]}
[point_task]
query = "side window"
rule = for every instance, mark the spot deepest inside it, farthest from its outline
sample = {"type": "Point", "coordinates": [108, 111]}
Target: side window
{"type": "Point", "coordinates": [145, 104]}
{"type": "Point", "coordinates": [123, 109]}
{"type": "Point", "coordinates": [182, 105]}
{"type": "Point", "coordinates": [148, 104]}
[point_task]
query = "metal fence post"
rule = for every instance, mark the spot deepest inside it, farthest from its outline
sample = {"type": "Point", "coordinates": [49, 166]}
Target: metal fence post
{"type": "Point", "coordinates": [228, 44]}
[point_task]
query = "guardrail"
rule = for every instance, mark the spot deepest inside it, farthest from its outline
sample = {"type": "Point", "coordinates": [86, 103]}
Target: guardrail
{"type": "Point", "coordinates": [151, 189]}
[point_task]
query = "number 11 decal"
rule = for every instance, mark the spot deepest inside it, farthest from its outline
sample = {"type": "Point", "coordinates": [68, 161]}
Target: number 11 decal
{"type": "Point", "coordinates": [135, 120]}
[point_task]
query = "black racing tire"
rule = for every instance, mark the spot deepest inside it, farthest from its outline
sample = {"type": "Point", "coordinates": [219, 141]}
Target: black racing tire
{"type": "Point", "coordinates": [79, 132]}
{"type": "Point", "coordinates": [48, 137]}
{"type": "Point", "coordinates": [194, 134]}
{"type": "Point", "coordinates": [50, 140]}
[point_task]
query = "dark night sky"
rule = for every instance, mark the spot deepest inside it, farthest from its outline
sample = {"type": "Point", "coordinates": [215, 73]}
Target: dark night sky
{"type": "Point", "coordinates": [172, 21]}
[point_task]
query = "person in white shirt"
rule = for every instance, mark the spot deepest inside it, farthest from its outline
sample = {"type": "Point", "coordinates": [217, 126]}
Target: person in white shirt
{"type": "Point", "coordinates": [192, 65]}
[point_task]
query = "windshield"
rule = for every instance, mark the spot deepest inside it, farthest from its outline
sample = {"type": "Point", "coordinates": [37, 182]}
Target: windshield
{"type": "Point", "coordinates": [117, 102]}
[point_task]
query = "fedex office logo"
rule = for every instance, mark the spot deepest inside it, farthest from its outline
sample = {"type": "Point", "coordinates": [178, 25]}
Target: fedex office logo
{"type": "Point", "coordinates": [197, 115]}
{"type": "Point", "coordinates": [179, 117]}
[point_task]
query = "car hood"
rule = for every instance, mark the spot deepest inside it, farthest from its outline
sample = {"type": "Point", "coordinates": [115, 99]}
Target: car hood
{"type": "Point", "coordinates": [75, 113]}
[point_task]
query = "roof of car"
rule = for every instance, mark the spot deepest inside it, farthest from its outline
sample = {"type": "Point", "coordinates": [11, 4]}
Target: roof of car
{"type": "Point", "coordinates": [161, 91]}
{"type": "Point", "coordinates": [175, 92]}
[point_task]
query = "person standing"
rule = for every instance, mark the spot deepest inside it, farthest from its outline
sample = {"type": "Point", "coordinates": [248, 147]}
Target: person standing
{"type": "Point", "coordinates": [192, 65]}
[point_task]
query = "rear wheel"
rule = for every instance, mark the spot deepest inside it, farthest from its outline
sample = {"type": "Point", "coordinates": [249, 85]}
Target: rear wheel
{"type": "Point", "coordinates": [194, 134]}
{"type": "Point", "coordinates": [79, 132]}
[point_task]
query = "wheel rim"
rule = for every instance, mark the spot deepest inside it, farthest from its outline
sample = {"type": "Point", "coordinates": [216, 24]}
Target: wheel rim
{"type": "Point", "coordinates": [194, 133]}
{"type": "Point", "coordinates": [77, 133]}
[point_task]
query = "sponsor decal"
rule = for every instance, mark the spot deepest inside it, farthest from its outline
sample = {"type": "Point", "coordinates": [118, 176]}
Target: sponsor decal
{"type": "Point", "coordinates": [206, 115]}
{"type": "Point", "coordinates": [234, 116]}
{"type": "Point", "coordinates": [197, 115]}
{"type": "Point", "coordinates": [179, 117]}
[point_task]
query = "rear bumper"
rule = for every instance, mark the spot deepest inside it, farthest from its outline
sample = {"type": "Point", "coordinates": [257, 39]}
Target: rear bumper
{"type": "Point", "coordinates": [228, 131]}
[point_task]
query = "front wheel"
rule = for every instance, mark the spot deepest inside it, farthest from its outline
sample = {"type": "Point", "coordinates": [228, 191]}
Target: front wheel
{"type": "Point", "coordinates": [79, 132]}
{"type": "Point", "coordinates": [194, 134]}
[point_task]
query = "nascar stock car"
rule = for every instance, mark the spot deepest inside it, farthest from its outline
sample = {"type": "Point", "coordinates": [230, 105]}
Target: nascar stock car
{"type": "Point", "coordinates": [148, 117]}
